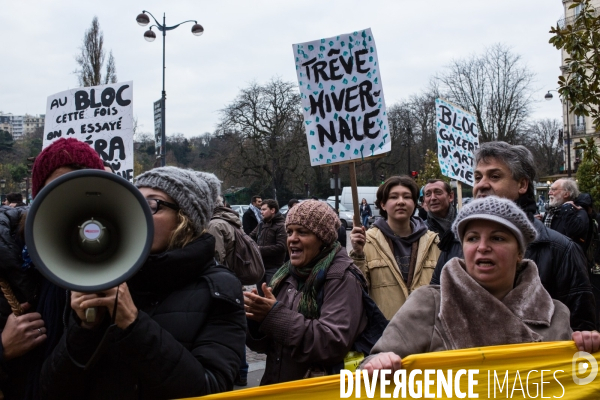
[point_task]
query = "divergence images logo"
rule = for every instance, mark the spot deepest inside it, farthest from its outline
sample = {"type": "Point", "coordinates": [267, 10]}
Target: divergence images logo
{"type": "Point", "coordinates": [581, 367]}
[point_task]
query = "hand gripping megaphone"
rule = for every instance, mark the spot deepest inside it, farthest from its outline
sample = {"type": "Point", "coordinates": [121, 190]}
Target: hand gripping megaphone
{"type": "Point", "coordinates": [89, 231]}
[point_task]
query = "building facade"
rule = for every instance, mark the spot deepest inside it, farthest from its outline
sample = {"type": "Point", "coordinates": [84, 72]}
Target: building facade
{"type": "Point", "coordinates": [575, 127]}
{"type": "Point", "coordinates": [21, 125]}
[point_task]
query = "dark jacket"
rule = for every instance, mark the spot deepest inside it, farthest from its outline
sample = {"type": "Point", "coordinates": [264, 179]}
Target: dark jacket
{"type": "Point", "coordinates": [294, 343]}
{"type": "Point", "coordinates": [249, 221]}
{"type": "Point", "coordinates": [562, 268]}
{"type": "Point", "coordinates": [365, 210]}
{"type": "Point", "coordinates": [19, 377]}
{"type": "Point", "coordinates": [187, 341]}
{"type": "Point", "coordinates": [571, 222]}
{"type": "Point", "coordinates": [272, 241]}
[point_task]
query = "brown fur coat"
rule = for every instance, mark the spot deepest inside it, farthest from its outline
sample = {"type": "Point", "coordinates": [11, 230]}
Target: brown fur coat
{"type": "Point", "coordinates": [462, 314]}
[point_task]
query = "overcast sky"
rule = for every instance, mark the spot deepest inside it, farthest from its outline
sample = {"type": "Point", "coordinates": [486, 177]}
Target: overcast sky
{"type": "Point", "coordinates": [251, 40]}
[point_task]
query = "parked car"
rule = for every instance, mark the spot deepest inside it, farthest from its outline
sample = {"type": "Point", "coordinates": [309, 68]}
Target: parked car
{"type": "Point", "coordinates": [240, 209]}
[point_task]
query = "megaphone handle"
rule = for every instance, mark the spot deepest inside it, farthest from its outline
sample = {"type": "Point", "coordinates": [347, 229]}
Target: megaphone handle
{"type": "Point", "coordinates": [90, 315]}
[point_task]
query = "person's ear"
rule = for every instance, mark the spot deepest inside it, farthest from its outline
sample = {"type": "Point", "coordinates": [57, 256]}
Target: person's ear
{"type": "Point", "coordinates": [523, 185]}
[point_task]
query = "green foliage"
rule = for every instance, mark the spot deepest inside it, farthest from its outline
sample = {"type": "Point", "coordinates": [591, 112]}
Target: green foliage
{"type": "Point", "coordinates": [580, 38]}
{"type": "Point", "coordinates": [588, 181]}
{"type": "Point", "coordinates": [6, 140]}
{"type": "Point", "coordinates": [431, 169]}
{"type": "Point", "coordinates": [17, 172]}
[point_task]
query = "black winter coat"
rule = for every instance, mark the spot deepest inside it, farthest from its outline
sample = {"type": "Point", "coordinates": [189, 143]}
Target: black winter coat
{"type": "Point", "coordinates": [571, 222]}
{"type": "Point", "coordinates": [272, 241]}
{"type": "Point", "coordinates": [562, 268]}
{"type": "Point", "coordinates": [187, 341]}
{"type": "Point", "coordinates": [249, 221]}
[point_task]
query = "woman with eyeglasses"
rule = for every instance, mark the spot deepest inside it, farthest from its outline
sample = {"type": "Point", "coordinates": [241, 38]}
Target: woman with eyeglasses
{"type": "Point", "coordinates": [179, 324]}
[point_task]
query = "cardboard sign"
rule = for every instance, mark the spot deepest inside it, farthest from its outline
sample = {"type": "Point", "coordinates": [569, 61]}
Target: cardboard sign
{"type": "Point", "coordinates": [458, 138]}
{"type": "Point", "coordinates": [101, 116]}
{"type": "Point", "coordinates": [342, 98]}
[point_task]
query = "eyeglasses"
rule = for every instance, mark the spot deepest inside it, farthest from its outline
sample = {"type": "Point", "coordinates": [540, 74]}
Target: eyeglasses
{"type": "Point", "coordinates": [155, 204]}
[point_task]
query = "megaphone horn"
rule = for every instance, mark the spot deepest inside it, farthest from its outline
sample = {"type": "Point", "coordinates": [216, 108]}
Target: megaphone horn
{"type": "Point", "coordinates": [89, 231]}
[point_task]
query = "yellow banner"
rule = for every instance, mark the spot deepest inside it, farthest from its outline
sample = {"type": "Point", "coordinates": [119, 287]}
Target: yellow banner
{"type": "Point", "coordinates": [524, 371]}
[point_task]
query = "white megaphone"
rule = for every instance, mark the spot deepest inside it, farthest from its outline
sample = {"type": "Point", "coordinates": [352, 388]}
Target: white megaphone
{"type": "Point", "coordinates": [89, 231]}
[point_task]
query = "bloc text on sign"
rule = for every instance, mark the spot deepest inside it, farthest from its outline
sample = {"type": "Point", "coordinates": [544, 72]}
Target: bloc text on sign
{"type": "Point", "coordinates": [342, 98]}
{"type": "Point", "coordinates": [101, 116]}
{"type": "Point", "coordinates": [457, 139]}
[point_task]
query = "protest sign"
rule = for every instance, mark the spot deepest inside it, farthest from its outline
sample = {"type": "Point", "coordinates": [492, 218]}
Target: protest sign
{"type": "Point", "coordinates": [457, 138]}
{"type": "Point", "coordinates": [101, 116]}
{"type": "Point", "coordinates": [158, 125]}
{"type": "Point", "coordinates": [342, 98]}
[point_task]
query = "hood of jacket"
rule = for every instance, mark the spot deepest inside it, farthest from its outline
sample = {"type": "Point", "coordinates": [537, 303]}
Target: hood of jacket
{"type": "Point", "coordinates": [228, 215]}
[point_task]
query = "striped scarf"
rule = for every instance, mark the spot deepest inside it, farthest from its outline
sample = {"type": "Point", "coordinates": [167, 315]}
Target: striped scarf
{"type": "Point", "coordinates": [311, 279]}
{"type": "Point", "coordinates": [550, 211]}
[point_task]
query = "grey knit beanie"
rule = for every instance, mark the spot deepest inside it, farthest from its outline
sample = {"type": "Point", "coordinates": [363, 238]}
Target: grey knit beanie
{"type": "Point", "coordinates": [502, 211]}
{"type": "Point", "coordinates": [194, 192]}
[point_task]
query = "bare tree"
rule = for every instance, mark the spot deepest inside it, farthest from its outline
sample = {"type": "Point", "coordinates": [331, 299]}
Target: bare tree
{"type": "Point", "coordinates": [272, 148]}
{"type": "Point", "coordinates": [544, 139]}
{"type": "Point", "coordinates": [91, 59]}
{"type": "Point", "coordinates": [494, 86]}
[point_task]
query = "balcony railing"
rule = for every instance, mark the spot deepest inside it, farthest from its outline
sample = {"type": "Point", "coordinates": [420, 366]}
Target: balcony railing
{"type": "Point", "coordinates": [578, 129]}
{"type": "Point", "coordinates": [562, 23]}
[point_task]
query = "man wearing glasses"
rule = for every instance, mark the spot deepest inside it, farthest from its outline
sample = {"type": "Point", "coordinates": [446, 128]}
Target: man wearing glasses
{"type": "Point", "coordinates": [564, 215]}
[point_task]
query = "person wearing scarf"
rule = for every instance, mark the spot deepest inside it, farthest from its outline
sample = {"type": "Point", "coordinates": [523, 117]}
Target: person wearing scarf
{"type": "Point", "coordinates": [174, 330]}
{"type": "Point", "coordinates": [313, 311]}
{"type": "Point", "coordinates": [491, 297]}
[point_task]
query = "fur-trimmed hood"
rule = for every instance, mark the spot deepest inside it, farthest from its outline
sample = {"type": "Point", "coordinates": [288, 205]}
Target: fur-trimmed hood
{"type": "Point", "coordinates": [464, 305]}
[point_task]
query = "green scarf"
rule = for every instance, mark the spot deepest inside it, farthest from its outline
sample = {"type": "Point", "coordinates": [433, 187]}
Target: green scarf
{"type": "Point", "coordinates": [311, 278]}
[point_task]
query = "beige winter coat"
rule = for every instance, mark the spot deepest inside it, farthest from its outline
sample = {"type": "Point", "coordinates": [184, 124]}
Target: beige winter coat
{"type": "Point", "coordinates": [461, 314]}
{"type": "Point", "coordinates": [221, 226]}
{"type": "Point", "coordinates": [386, 285]}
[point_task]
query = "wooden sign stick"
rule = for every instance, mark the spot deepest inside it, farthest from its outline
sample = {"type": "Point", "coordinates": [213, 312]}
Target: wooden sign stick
{"type": "Point", "coordinates": [459, 194]}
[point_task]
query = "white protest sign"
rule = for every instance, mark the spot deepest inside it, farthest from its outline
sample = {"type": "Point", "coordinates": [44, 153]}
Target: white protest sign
{"type": "Point", "coordinates": [342, 98]}
{"type": "Point", "coordinates": [101, 116]}
{"type": "Point", "coordinates": [457, 138]}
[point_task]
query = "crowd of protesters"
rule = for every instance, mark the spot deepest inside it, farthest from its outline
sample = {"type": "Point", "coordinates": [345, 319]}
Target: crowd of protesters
{"type": "Point", "coordinates": [422, 278]}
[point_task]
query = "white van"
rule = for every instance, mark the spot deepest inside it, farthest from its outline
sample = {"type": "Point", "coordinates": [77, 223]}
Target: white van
{"type": "Point", "coordinates": [364, 192]}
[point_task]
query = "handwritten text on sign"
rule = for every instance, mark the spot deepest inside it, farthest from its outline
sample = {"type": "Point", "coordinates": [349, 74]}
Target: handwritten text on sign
{"type": "Point", "coordinates": [101, 116]}
{"type": "Point", "coordinates": [457, 138]}
{"type": "Point", "coordinates": [342, 98]}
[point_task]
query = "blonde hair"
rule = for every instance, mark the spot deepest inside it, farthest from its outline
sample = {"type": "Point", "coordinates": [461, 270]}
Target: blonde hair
{"type": "Point", "coordinates": [184, 233]}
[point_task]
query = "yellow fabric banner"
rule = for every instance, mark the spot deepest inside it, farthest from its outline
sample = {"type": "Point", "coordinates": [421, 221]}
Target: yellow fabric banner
{"type": "Point", "coordinates": [524, 371]}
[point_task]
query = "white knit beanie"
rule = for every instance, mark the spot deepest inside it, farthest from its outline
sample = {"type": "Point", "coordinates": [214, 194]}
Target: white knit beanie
{"type": "Point", "coordinates": [194, 192]}
{"type": "Point", "coordinates": [502, 211]}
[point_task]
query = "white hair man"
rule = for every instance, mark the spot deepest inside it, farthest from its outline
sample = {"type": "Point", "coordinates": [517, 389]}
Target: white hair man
{"type": "Point", "coordinates": [564, 215]}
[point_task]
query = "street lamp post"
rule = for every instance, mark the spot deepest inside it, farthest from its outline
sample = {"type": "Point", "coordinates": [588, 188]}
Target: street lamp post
{"type": "Point", "coordinates": [143, 20]}
{"type": "Point", "coordinates": [2, 186]}
{"type": "Point", "coordinates": [549, 97]}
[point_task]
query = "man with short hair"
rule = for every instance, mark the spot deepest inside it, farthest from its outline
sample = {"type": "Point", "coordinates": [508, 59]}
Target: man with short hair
{"type": "Point", "coordinates": [563, 215]}
{"type": "Point", "coordinates": [438, 201]}
{"type": "Point", "coordinates": [252, 217]}
{"type": "Point", "coordinates": [271, 239]}
{"type": "Point", "coordinates": [508, 171]}
{"type": "Point", "coordinates": [15, 200]}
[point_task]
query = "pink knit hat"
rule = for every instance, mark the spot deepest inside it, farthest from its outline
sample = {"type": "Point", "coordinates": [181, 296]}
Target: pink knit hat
{"type": "Point", "coordinates": [316, 216]}
{"type": "Point", "coordinates": [62, 153]}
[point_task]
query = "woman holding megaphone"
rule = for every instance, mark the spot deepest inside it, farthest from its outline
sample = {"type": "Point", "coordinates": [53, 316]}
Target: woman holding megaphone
{"type": "Point", "coordinates": [177, 328]}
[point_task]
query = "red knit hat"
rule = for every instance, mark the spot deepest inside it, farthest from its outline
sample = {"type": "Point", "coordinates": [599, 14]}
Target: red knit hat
{"type": "Point", "coordinates": [62, 153]}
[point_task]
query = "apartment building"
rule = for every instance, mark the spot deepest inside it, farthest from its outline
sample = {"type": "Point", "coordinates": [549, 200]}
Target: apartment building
{"type": "Point", "coordinates": [578, 128]}
{"type": "Point", "coordinates": [21, 125]}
